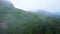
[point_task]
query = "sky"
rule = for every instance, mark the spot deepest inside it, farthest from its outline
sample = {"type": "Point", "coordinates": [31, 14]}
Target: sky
{"type": "Point", "coordinates": [49, 5]}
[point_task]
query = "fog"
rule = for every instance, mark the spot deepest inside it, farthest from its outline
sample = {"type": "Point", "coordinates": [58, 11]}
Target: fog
{"type": "Point", "coordinates": [49, 5]}
{"type": "Point", "coordinates": [19, 21]}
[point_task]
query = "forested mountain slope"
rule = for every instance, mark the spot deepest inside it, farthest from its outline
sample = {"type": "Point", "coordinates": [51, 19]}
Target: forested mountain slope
{"type": "Point", "coordinates": [18, 21]}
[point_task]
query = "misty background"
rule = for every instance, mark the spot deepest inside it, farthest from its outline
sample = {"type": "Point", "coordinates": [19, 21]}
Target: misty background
{"type": "Point", "coordinates": [48, 5]}
{"type": "Point", "coordinates": [29, 17]}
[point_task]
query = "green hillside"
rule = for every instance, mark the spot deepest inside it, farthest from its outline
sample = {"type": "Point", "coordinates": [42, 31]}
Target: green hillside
{"type": "Point", "coordinates": [18, 21]}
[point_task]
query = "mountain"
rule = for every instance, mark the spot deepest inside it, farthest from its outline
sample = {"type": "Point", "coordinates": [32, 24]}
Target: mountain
{"type": "Point", "coordinates": [13, 20]}
{"type": "Point", "coordinates": [43, 12]}
{"type": "Point", "coordinates": [18, 21]}
{"type": "Point", "coordinates": [56, 15]}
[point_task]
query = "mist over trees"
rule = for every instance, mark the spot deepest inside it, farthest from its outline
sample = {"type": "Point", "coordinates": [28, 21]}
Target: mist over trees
{"type": "Point", "coordinates": [18, 21]}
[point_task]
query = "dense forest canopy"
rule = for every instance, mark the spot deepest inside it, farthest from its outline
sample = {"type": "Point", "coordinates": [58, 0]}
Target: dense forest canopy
{"type": "Point", "coordinates": [18, 21]}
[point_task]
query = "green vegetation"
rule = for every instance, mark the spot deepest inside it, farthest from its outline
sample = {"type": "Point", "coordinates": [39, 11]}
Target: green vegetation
{"type": "Point", "coordinates": [23, 22]}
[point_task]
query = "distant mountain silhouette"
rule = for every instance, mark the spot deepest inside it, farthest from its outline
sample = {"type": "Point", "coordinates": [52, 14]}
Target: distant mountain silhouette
{"type": "Point", "coordinates": [56, 15]}
{"type": "Point", "coordinates": [18, 21]}
{"type": "Point", "coordinates": [43, 12]}
{"type": "Point", "coordinates": [46, 13]}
